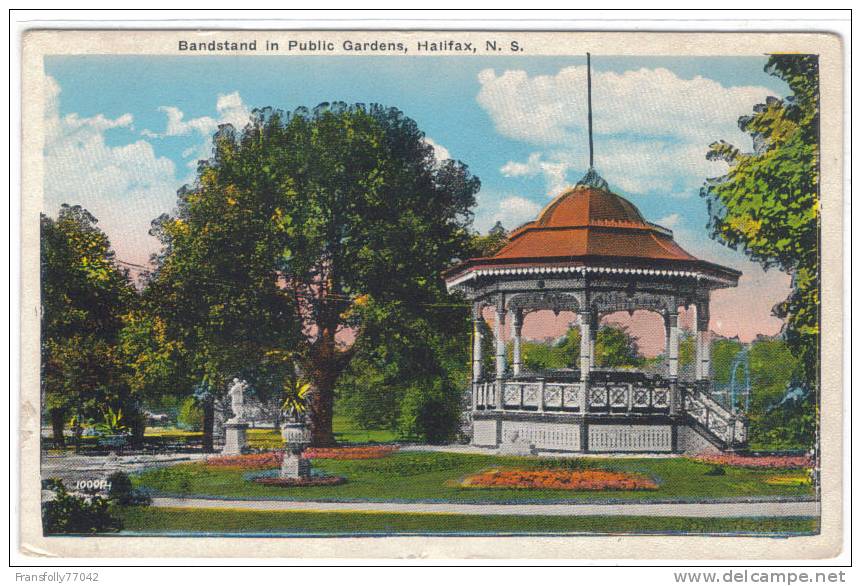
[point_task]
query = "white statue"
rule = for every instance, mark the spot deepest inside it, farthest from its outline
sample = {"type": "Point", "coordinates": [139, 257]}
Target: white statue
{"type": "Point", "coordinates": [237, 401]}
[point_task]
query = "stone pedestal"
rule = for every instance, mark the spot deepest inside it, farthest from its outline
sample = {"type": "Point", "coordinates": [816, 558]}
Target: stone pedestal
{"type": "Point", "coordinates": [295, 466]}
{"type": "Point", "coordinates": [516, 445]}
{"type": "Point", "coordinates": [235, 440]}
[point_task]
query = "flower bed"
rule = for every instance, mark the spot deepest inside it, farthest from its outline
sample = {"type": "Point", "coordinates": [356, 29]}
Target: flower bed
{"type": "Point", "coordinates": [260, 461]}
{"type": "Point", "coordinates": [757, 461]}
{"type": "Point", "coordinates": [789, 480]}
{"type": "Point", "coordinates": [559, 480]}
{"type": "Point", "coordinates": [350, 453]}
{"type": "Point", "coordinates": [308, 481]}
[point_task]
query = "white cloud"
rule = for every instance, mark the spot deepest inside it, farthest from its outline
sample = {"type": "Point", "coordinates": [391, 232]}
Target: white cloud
{"type": "Point", "coordinates": [124, 186]}
{"type": "Point", "coordinates": [230, 108]}
{"type": "Point", "coordinates": [554, 171]}
{"type": "Point", "coordinates": [440, 152]}
{"type": "Point", "coordinates": [511, 210]}
{"type": "Point", "coordinates": [177, 126]}
{"type": "Point", "coordinates": [652, 128]}
{"type": "Point", "coordinates": [669, 221]}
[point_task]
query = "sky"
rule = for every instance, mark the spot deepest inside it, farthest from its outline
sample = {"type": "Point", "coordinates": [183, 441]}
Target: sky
{"type": "Point", "coordinates": [123, 133]}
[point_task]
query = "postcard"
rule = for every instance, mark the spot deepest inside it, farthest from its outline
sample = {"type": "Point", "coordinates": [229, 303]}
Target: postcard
{"type": "Point", "coordinates": [474, 294]}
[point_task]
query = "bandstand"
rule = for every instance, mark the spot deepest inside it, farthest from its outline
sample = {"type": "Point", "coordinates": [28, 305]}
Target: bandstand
{"type": "Point", "coordinates": [591, 252]}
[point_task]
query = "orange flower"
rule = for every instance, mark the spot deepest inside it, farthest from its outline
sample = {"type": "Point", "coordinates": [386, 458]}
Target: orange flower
{"type": "Point", "coordinates": [560, 479]}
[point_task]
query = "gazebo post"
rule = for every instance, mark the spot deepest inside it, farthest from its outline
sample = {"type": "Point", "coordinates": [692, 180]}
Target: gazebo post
{"type": "Point", "coordinates": [673, 358]}
{"type": "Point", "coordinates": [703, 342]}
{"type": "Point", "coordinates": [593, 330]}
{"type": "Point", "coordinates": [585, 357]}
{"type": "Point", "coordinates": [516, 329]}
{"type": "Point", "coordinates": [500, 350]}
{"type": "Point", "coordinates": [477, 346]}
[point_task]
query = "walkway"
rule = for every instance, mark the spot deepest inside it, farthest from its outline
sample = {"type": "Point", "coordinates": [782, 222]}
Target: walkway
{"type": "Point", "coordinates": [761, 509]}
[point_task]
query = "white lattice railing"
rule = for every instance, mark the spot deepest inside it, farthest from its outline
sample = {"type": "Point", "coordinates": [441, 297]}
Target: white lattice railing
{"type": "Point", "coordinates": [727, 426]}
{"type": "Point", "coordinates": [571, 396]}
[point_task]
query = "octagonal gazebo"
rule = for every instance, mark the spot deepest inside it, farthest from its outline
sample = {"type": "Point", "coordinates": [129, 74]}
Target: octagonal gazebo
{"type": "Point", "coordinates": [591, 252]}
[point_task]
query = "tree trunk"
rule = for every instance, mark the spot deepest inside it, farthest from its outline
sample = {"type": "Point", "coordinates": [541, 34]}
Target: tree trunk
{"type": "Point", "coordinates": [208, 425]}
{"type": "Point", "coordinates": [139, 421]}
{"type": "Point", "coordinates": [322, 408]}
{"type": "Point", "coordinates": [58, 422]}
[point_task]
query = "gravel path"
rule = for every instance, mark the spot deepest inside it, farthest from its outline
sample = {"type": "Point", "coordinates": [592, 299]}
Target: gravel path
{"type": "Point", "coordinates": [765, 509]}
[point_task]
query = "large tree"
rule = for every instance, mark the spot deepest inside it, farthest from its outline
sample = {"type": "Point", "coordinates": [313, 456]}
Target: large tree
{"type": "Point", "coordinates": [303, 229]}
{"type": "Point", "coordinates": [84, 297]}
{"type": "Point", "coordinates": [768, 202]}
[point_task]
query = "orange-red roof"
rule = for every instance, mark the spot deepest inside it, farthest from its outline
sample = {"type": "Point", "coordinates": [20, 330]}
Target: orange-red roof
{"type": "Point", "coordinates": [586, 224]}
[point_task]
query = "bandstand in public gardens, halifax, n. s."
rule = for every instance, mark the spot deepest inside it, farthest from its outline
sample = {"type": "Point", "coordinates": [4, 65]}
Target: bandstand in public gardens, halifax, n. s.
{"type": "Point", "coordinates": [591, 252]}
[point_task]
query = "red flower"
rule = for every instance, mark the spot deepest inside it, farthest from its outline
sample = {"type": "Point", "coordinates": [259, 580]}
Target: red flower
{"type": "Point", "coordinates": [351, 452]}
{"type": "Point", "coordinates": [757, 461]}
{"type": "Point", "coordinates": [560, 479]}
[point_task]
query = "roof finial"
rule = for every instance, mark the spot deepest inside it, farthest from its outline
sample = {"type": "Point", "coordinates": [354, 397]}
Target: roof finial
{"type": "Point", "coordinates": [591, 178]}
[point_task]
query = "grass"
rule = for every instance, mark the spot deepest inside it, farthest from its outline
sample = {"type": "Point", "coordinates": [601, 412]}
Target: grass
{"type": "Point", "coordinates": [263, 438]}
{"type": "Point", "coordinates": [179, 520]}
{"type": "Point", "coordinates": [433, 476]}
{"type": "Point", "coordinates": [347, 431]}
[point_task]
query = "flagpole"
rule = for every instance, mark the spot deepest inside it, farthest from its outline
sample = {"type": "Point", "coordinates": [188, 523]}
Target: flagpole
{"type": "Point", "coordinates": [589, 99]}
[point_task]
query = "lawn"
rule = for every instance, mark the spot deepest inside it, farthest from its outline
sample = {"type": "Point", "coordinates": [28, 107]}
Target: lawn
{"type": "Point", "coordinates": [434, 477]}
{"type": "Point", "coordinates": [178, 520]}
{"type": "Point", "coordinates": [262, 438]}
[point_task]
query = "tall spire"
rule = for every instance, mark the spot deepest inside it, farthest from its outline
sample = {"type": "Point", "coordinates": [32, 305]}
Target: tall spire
{"type": "Point", "coordinates": [589, 102]}
{"type": "Point", "coordinates": [591, 178]}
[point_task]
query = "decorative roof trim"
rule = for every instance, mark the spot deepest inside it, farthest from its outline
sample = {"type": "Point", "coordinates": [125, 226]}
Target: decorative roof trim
{"type": "Point", "coordinates": [475, 273]}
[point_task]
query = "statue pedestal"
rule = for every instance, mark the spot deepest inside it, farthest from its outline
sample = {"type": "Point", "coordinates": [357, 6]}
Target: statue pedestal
{"type": "Point", "coordinates": [235, 441]}
{"type": "Point", "coordinates": [295, 466]}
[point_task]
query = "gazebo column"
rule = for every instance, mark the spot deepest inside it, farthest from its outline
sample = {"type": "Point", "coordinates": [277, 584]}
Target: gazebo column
{"type": "Point", "coordinates": [585, 357]}
{"type": "Point", "coordinates": [593, 330]}
{"type": "Point", "coordinates": [516, 328]}
{"type": "Point", "coordinates": [500, 351]}
{"type": "Point", "coordinates": [477, 346]}
{"type": "Point", "coordinates": [703, 342]}
{"type": "Point", "coordinates": [672, 324]}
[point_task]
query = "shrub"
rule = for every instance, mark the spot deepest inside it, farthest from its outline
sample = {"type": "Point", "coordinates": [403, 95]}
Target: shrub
{"type": "Point", "coordinates": [190, 416]}
{"type": "Point", "coordinates": [71, 514]}
{"type": "Point", "coordinates": [431, 412]}
{"type": "Point", "coordinates": [123, 492]}
{"type": "Point", "coordinates": [716, 470]}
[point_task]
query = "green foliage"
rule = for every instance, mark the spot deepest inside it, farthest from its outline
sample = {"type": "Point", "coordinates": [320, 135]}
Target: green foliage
{"type": "Point", "coordinates": [190, 415]}
{"type": "Point", "coordinates": [123, 493]}
{"type": "Point", "coordinates": [84, 296]}
{"type": "Point", "coordinates": [404, 358]}
{"type": "Point", "coordinates": [715, 470]}
{"type": "Point", "coordinates": [485, 245]}
{"type": "Point", "coordinates": [70, 514]}
{"type": "Point", "coordinates": [723, 353]}
{"type": "Point", "coordinates": [112, 422]}
{"type": "Point", "coordinates": [431, 412]}
{"type": "Point", "coordinates": [768, 202]}
{"type": "Point", "coordinates": [309, 222]}
{"type": "Point", "coordinates": [615, 347]}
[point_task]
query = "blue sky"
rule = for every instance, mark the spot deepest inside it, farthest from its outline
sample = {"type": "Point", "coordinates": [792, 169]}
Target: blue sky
{"type": "Point", "coordinates": [124, 132]}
